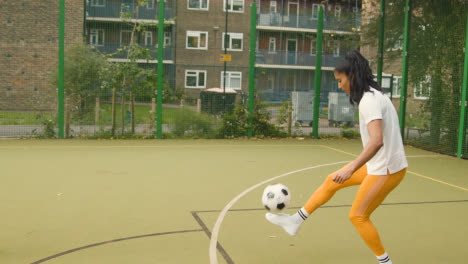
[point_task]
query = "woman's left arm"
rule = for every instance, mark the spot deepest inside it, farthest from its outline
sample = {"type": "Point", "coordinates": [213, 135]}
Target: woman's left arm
{"type": "Point", "coordinates": [370, 149]}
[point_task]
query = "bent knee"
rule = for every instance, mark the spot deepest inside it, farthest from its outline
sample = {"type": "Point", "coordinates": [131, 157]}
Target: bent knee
{"type": "Point", "coordinates": [358, 219]}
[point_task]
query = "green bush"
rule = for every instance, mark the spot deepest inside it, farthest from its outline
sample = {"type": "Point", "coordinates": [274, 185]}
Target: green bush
{"type": "Point", "coordinates": [189, 124]}
{"type": "Point", "coordinates": [236, 124]}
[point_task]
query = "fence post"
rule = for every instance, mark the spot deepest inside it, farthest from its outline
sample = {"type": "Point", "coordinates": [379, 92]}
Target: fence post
{"type": "Point", "coordinates": [253, 31]}
{"type": "Point", "coordinates": [462, 130]}
{"type": "Point", "coordinates": [404, 77]}
{"type": "Point", "coordinates": [96, 112]}
{"type": "Point", "coordinates": [61, 68]}
{"type": "Point", "coordinates": [160, 69]}
{"type": "Point", "coordinates": [318, 74]}
{"type": "Point", "coordinates": [381, 42]}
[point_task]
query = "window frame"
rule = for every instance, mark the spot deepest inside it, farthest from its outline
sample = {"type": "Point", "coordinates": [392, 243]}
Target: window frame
{"type": "Point", "coordinates": [148, 4]}
{"type": "Point", "coordinates": [95, 3]}
{"type": "Point", "coordinates": [150, 35]}
{"type": "Point", "coordinates": [167, 38]}
{"type": "Point", "coordinates": [270, 51]}
{"type": "Point", "coordinates": [232, 6]}
{"type": "Point", "coordinates": [418, 87]}
{"type": "Point", "coordinates": [187, 34]}
{"type": "Point", "coordinates": [197, 76]}
{"type": "Point", "coordinates": [97, 36]}
{"type": "Point", "coordinates": [274, 4]}
{"type": "Point", "coordinates": [228, 81]}
{"type": "Point", "coordinates": [316, 7]}
{"type": "Point", "coordinates": [397, 80]}
{"type": "Point", "coordinates": [121, 33]}
{"type": "Point", "coordinates": [199, 8]}
{"type": "Point", "coordinates": [230, 41]}
{"type": "Point", "coordinates": [338, 11]}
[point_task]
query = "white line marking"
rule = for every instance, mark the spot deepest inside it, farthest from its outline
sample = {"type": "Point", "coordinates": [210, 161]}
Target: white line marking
{"type": "Point", "coordinates": [222, 214]}
{"type": "Point", "coordinates": [214, 234]}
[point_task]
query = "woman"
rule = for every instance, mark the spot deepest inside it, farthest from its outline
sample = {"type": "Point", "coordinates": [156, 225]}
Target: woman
{"type": "Point", "coordinates": [378, 169]}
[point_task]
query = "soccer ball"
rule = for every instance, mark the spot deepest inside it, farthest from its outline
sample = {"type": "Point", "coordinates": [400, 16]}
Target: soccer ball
{"type": "Point", "coordinates": [276, 198]}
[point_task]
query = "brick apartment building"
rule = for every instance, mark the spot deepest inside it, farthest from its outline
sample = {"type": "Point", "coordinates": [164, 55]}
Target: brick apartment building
{"type": "Point", "coordinates": [194, 36]}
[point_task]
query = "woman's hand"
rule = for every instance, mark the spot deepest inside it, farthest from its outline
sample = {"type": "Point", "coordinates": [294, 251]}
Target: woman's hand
{"type": "Point", "coordinates": [343, 175]}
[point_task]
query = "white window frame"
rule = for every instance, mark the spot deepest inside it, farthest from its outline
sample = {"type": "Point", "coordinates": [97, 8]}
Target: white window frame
{"type": "Point", "coordinates": [121, 32]}
{"type": "Point", "coordinates": [228, 81]}
{"type": "Point", "coordinates": [273, 5]}
{"type": "Point", "coordinates": [199, 7]}
{"type": "Point", "coordinates": [148, 35]}
{"type": "Point", "coordinates": [94, 32]}
{"type": "Point", "coordinates": [418, 87]}
{"type": "Point", "coordinates": [98, 3]}
{"type": "Point", "coordinates": [197, 34]}
{"type": "Point", "coordinates": [271, 41]}
{"type": "Point", "coordinates": [196, 74]}
{"type": "Point", "coordinates": [231, 37]}
{"type": "Point", "coordinates": [313, 47]}
{"type": "Point", "coordinates": [397, 81]}
{"type": "Point", "coordinates": [336, 48]}
{"type": "Point", "coordinates": [315, 11]}
{"type": "Point", "coordinates": [338, 11]}
{"type": "Point", "coordinates": [231, 9]}
{"type": "Point", "coordinates": [271, 82]}
{"type": "Point", "coordinates": [150, 4]}
{"type": "Point", "coordinates": [167, 39]}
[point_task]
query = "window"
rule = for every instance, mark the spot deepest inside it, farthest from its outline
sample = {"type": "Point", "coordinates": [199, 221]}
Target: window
{"type": "Point", "coordinates": [338, 11]}
{"type": "Point", "coordinates": [272, 45]}
{"type": "Point", "coordinates": [396, 86]}
{"type": "Point", "coordinates": [234, 5]}
{"type": "Point", "coordinates": [422, 90]}
{"type": "Point", "coordinates": [97, 37]}
{"type": "Point", "coordinates": [125, 37]}
{"type": "Point", "coordinates": [99, 3]}
{"type": "Point", "coordinates": [273, 6]}
{"type": "Point", "coordinates": [148, 38]}
{"type": "Point", "coordinates": [233, 80]}
{"type": "Point", "coordinates": [397, 44]}
{"type": "Point", "coordinates": [336, 48]}
{"type": "Point", "coordinates": [167, 39]}
{"type": "Point", "coordinates": [150, 4]}
{"type": "Point", "coordinates": [313, 47]}
{"type": "Point", "coordinates": [315, 11]}
{"type": "Point", "coordinates": [198, 4]}
{"type": "Point", "coordinates": [355, 9]}
{"type": "Point", "coordinates": [233, 41]}
{"type": "Point", "coordinates": [271, 82]}
{"type": "Point", "coordinates": [197, 40]}
{"type": "Point", "coordinates": [195, 79]}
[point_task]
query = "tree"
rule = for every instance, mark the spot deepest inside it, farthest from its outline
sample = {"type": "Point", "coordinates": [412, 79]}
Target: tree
{"type": "Point", "coordinates": [436, 41]}
{"type": "Point", "coordinates": [81, 77]}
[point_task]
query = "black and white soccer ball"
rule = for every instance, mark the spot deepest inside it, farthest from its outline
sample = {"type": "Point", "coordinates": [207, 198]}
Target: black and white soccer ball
{"type": "Point", "coordinates": [276, 198]}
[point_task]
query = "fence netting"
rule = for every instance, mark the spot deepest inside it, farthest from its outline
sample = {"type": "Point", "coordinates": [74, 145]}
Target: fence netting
{"type": "Point", "coordinates": [112, 58]}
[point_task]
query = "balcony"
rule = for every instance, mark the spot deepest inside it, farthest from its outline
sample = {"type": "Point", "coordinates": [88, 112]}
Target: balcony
{"type": "Point", "coordinates": [112, 9]}
{"type": "Point", "coordinates": [344, 23]}
{"type": "Point", "coordinates": [294, 58]}
{"type": "Point", "coordinates": [110, 48]}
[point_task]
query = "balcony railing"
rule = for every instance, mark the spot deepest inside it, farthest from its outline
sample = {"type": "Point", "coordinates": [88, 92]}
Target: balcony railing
{"type": "Point", "coordinates": [294, 58]}
{"type": "Point", "coordinates": [343, 23]}
{"type": "Point", "coordinates": [110, 48]}
{"type": "Point", "coordinates": [116, 9]}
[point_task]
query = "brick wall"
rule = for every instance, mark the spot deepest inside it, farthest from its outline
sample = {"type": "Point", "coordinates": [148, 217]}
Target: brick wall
{"type": "Point", "coordinates": [29, 51]}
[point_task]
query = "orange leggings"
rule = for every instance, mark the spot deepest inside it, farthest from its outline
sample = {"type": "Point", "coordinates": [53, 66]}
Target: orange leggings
{"type": "Point", "coordinates": [371, 193]}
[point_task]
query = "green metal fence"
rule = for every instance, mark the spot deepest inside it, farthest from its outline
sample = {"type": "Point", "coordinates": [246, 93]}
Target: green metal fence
{"type": "Point", "coordinates": [167, 69]}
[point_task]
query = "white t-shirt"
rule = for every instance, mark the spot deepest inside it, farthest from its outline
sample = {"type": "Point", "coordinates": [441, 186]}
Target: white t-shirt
{"type": "Point", "coordinates": [375, 105]}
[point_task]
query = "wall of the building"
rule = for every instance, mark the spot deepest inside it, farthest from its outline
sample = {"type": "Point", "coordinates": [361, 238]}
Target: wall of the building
{"type": "Point", "coordinates": [29, 51]}
{"type": "Point", "coordinates": [213, 22]}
